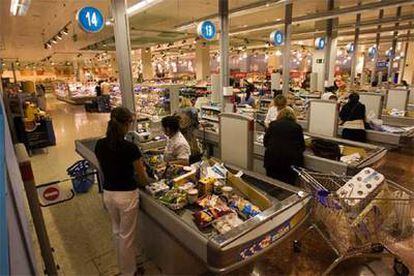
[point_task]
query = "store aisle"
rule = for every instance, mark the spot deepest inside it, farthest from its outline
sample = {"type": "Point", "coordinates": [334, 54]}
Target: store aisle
{"type": "Point", "coordinates": [79, 230]}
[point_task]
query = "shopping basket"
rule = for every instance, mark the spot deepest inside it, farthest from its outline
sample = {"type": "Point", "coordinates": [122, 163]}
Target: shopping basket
{"type": "Point", "coordinates": [387, 219]}
{"type": "Point", "coordinates": [83, 176]}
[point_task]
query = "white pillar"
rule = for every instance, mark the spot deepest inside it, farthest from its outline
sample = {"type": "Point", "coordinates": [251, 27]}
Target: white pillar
{"type": "Point", "coordinates": [123, 53]}
{"type": "Point", "coordinates": [409, 64]}
{"type": "Point", "coordinates": [318, 67]}
{"type": "Point", "coordinates": [202, 60]}
{"type": "Point", "coordinates": [224, 51]}
{"type": "Point", "coordinates": [286, 49]}
{"type": "Point", "coordinates": [147, 70]}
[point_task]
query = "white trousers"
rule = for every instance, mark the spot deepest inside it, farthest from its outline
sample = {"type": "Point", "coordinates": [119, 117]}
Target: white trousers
{"type": "Point", "coordinates": [123, 209]}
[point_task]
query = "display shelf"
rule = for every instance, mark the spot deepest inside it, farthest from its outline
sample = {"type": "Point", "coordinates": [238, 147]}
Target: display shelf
{"type": "Point", "coordinates": [210, 118]}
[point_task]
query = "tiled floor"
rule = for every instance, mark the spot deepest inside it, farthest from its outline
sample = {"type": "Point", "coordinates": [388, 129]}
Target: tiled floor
{"type": "Point", "coordinates": [80, 230]}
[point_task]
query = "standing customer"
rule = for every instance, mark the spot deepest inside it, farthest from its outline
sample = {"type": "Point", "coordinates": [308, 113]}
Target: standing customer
{"type": "Point", "coordinates": [119, 161]}
{"type": "Point", "coordinates": [188, 124]}
{"type": "Point", "coordinates": [284, 145]}
{"type": "Point", "coordinates": [352, 117]}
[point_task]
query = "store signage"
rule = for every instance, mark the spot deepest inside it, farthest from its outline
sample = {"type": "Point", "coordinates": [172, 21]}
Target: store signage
{"type": "Point", "coordinates": [350, 48]}
{"type": "Point", "coordinates": [90, 19]}
{"type": "Point", "coordinates": [320, 43]}
{"type": "Point", "coordinates": [372, 51]}
{"type": "Point", "coordinates": [389, 53]}
{"type": "Point", "coordinates": [51, 194]}
{"type": "Point", "coordinates": [382, 64]}
{"type": "Point", "coordinates": [277, 38]}
{"type": "Point", "coordinates": [207, 30]}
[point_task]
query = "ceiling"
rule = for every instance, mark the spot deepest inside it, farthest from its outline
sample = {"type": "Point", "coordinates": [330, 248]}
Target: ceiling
{"type": "Point", "coordinates": [174, 20]}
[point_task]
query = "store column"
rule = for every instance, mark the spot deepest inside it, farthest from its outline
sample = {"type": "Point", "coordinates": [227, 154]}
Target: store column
{"type": "Point", "coordinates": [224, 52]}
{"type": "Point", "coordinates": [331, 44]}
{"type": "Point", "coordinates": [409, 64]}
{"type": "Point", "coordinates": [123, 53]}
{"type": "Point", "coordinates": [354, 56]}
{"type": "Point", "coordinates": [147, 70]}
{"type": "Point", "coordinates": [377, 42]}
{"type": "Point", "coordinates": [202, 59]}
{"type": "Point", "coordinates": [393, 47]}
{"type": "Point", "coordinates": [286, 48]}
{"type": "Point", "coordinates": [403, 65]}
{"type": "Point", "coordinates": [319, 62]}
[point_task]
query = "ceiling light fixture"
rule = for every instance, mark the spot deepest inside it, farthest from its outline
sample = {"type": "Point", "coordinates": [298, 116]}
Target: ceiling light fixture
{"type": "Point", "coordinates": [53, 40]}
{"type": "Point", "coordinates": [19, 7]}
{"type": "Point", "coordinates": [59, 37]}
{"type": "Point", "coordinates": [65, 31]}
{"type": "Point", "coordinates": [48, 45]}
{"type": "Point", "coordinates": [141, 6]}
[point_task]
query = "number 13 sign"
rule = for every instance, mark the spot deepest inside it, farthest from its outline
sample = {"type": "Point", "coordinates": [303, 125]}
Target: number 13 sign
{"type": "Point", "coordinates": [90, 19]}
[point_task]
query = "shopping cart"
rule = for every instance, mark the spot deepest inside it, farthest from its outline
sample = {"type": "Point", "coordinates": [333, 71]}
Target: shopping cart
{"type": "Point", "coordinates": [386, 220]}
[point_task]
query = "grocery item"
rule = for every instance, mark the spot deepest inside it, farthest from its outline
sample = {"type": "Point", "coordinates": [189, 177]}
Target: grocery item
{"type": "Point", "coordinates": [175, 199]}
{"type": "Point", "coordinates": [227, 222]}
{"type": "Point", "coordinates": [217, 187]}
{"type": "Point", "coordinates": [186, 186]}
{"type": "Point", "coordinates": [206, 185]}
{"type": "Point", "coordinates": [205, 217]}
{"type": "Point", "coordinates": [361, 189]}
{"type": "Point", "coordinates": [158, 188]}
{"type": "Point", "coordinates": [227, 191]}
{"type": "Point", "coordinates": [192, 196]}
{"type": "Point", "coordinates": [244, 207]}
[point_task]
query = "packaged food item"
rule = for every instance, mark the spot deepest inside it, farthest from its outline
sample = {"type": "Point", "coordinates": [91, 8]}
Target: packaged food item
{"type": "Point", "coordinates": [243, 206]}
{"type": "Point", "coordinates": [217, 187]}
{"type": "Point", "coordinates": [192, 196]}
{"type": "Point", "coordinates": [186, 186]}
{"type": "Point", "coordinates": [158, 188]}
{"type": "Point", "coordinates": [211, 201]}
{"type": "Point", "coordinates": [175, 199]}
{"type": "Point", "coordinates": [227, 191]}
{"type": "Point", "coordinates": [206, 185]}
{"type": "Point", "coordinates": [205, 217]}
{"type": "Point", "coordinates": [227, 222]}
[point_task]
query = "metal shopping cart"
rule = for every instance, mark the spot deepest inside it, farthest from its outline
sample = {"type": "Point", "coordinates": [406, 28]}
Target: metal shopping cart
{"type": "Point", "coordinates": [369, 232]}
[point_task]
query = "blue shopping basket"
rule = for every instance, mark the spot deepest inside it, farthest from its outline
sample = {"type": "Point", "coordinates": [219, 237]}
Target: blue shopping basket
{"type": "Point", "coordinates": [83, 176]}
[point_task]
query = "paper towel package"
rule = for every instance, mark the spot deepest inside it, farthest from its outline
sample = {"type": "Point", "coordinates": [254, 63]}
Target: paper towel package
{"type": "Point", "coordinates": [361, 189]}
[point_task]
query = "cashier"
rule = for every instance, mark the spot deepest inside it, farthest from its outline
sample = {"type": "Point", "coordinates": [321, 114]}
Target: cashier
{"type": "Point", "coordinates": [352, 117]}
{"type": "Point", "coordinates": [177, 150]}
{"type": "Point", "coordinates": [249, 99]}
{"type": "Point", "coordinates": [284, 144]}
{"type": "Point", "coordinates": [120, 161]}
{"type": "Point", "coordinates": [279, 102]}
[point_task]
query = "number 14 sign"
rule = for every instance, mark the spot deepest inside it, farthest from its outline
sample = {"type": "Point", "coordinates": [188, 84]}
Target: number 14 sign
{"type": "Point", "coordinates": [90, 19]}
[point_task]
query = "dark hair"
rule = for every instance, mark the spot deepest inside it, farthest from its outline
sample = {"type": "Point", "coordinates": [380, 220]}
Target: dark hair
{"type": "Point", "coordinates": [353, 98]}
{"type": "Point", "coordinates": [171, 122]}
{"type": "Point", "coordinates": [115, 133]}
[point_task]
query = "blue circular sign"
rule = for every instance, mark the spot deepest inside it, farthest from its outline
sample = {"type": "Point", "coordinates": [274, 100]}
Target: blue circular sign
{"type": "Point", "coordinates": [320, 43]}
{"type": "Point", "coordinates": [207, 30]}
{"type": "Point", "coordinates": [90, 19]}
{"type": "Point", "coordinates": [350, 47]}
{"type": "Point", "coordinates": [372, 51]}
{"type": "Point", "coordinates": [277, 38]}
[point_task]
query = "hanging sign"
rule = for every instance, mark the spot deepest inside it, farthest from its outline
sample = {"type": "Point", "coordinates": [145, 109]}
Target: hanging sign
{"type": "Point", "coordinates": [277, 38]}
{"type": "Point", "coordinates": [207, 30]}
{"type": "Point", "coordinates": [350, 48]}
{"type": "Point", "coordinates": [320, 43]}
{"type": "Point", "coordinates": [372, 51]}
{"type": "Point", "coordinates": [389, 53]}
{"type": "Point", "coordinates": [90, 19]}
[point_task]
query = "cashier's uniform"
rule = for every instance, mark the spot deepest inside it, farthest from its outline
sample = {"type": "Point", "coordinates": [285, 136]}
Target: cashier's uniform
{"type": "Point", "coordinates": [177, 148]}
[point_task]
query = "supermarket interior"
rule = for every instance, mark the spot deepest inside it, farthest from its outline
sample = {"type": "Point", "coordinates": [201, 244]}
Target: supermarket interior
{"type": "Point", "coordinates": [207, 137]}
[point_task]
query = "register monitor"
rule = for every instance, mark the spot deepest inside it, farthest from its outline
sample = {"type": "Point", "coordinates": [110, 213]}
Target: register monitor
{"type": "Point", "coordinates": [397, 99]}
{"type": "Point", "coordinates": [323, 118]}
{"type": "Point", "coordinates": [374, 103]}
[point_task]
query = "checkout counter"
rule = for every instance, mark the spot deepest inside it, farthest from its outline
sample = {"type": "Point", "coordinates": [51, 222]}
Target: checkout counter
{"type": "Point", "coordinates": [396, 112]}
{"type": "Point", "coordinates": [323, 127]}
{"type": "Point", "coordinates": [173, 241]}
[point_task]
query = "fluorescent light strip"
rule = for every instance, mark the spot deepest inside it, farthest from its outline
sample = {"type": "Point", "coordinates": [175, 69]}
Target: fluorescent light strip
{"type": "Point", "coordinates": [141, 6]}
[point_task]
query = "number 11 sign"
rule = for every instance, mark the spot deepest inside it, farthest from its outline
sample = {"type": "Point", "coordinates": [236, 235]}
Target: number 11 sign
{"type": "Point", "coordinates": [90, 19]}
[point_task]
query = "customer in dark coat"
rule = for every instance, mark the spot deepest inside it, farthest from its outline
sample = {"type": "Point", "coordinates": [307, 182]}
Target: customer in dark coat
{"type": "Point", "coordinates": [284, 145]}
{"type": "Point", "coordinates": [352, 117]}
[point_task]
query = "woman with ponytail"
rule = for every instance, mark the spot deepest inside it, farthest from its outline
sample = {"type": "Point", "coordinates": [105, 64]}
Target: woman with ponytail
{"type": "Point", "coordinates": [120, 162]}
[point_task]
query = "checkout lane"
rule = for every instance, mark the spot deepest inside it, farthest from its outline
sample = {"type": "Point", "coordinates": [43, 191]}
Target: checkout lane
{"type": "Point", "coordinates": [186, 247]}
